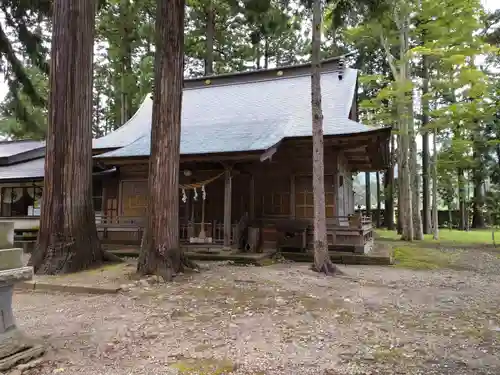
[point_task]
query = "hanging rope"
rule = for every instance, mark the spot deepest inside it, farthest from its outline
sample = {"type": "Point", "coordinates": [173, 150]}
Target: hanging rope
{"type": "Point", "coordinates": [198, 185]}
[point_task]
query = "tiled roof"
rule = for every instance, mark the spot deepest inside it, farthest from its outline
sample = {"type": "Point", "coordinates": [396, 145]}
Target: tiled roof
{"type": "Point", "coordinates": [248, 116]}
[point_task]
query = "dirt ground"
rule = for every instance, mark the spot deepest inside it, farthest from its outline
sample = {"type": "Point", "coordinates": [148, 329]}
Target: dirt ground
{"type": "Point", "coordinates": [280, 319]}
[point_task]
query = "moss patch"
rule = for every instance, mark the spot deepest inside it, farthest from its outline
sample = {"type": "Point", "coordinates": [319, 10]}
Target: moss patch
{"type": "Point", "coordinates": [204, 366]}
{"type": "Point", "coordinates": [423, 258]}
{"type": "Point", "coordinates": [446, 237]}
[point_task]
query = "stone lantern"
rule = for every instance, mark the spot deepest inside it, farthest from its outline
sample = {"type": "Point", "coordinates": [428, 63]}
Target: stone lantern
{"type": "Point", "coordinates": [15, 347]}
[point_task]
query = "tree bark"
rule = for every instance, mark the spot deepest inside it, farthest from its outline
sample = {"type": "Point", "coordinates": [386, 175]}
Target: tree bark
{"type": "Point", "coordinates": [160, 251]}
{"type": "Point", "coordinates": [322, 262]}
{"type": "Point", "coordinates": [368, 194]}
{"type": "Point", "coordinates": [406, 208]}
{"type": "Point", "coordinates": [126, 61]}
{"type": "Point", "coordinates": [435, 217]}
{"type": "Point", "coordinates": [425, 147]}
{"type": "Point", "coordinates": [67, 241]}
{"type": "Point", "coordinates": [379, 206]}
{"type": "Point", "coordinates": [210, 36]}
{"type": "Point", "coordinates": [415, 188]}
{"type": "Point", "coordinates": [461, 199]}
{"type": "Point", "coordinates": [389, 190]}
{"type": "Point", "coordinates": [478, 174]}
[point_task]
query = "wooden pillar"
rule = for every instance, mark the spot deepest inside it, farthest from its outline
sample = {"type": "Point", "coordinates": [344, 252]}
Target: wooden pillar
{"type": "Point", "coordinates": [227, 208]}
{"type": "Point", "coordinates": [292, 197]}
{"type": "Point", "coordinates": [104, 199]}
{"type": "Point", "coordinates": [251, 202]}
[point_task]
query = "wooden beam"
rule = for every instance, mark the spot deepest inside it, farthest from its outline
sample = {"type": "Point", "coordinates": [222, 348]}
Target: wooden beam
{"type": "Point", "coordinates": [252, 198]}
{"type": "Point", "coordinates": [292, 196]}
{"type": "Point", "coordinates": [227, 208]}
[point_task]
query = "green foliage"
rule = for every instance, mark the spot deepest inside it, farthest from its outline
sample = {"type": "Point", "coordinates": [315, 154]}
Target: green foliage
{"type": "Point", "coordinates": [19, 118]}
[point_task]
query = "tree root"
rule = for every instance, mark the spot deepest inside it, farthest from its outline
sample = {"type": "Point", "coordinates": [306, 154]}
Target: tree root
{"type": "Point", "coordinates": [171, 262]}
{"type": "Point", "coordinates": [328, 268]}
{"type": "Point", "coordinates": [110, 257]}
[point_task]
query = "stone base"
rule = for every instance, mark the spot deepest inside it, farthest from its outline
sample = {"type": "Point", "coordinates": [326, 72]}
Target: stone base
{"type": "Point", "coordinates": [10, 259]}
{"type": "Point", "coordinates": [16, 348]}
{"type": "Point", "coordinates": [10, 277]}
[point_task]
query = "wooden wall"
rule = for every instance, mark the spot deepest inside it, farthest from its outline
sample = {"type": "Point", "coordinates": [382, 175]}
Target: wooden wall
{"type": "Point", "coordinates": [284, 184]}
{"type": "Point", "coordinates": [282, 188]}
{"type": "Point", "coordinates": [345, 196]}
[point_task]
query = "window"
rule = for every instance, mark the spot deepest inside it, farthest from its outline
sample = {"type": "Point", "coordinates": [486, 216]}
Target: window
{"type": "Point", "coordinates": [97, 194]}
{"type": "Point", "coordinates": [277, 203]}
{"type": "Point", "coordinates": [21, 201]}
{"type": "Point", "coordinates": [304, 198]}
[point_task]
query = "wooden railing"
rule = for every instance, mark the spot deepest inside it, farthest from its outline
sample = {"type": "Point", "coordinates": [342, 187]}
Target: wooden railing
{"type": "Point", "coordinates": [213, 232]}
{"type": "Point", "coordinates": [120, 221]}
{"type": "Point", "coordinates": [354, 230]}
{"type": "Point", "coordinates": [133, 227]}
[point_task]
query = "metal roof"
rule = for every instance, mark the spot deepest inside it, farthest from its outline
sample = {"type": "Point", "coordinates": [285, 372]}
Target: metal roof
{"type": "Point", "coordinates": [10, 148]}
{"type": "Point", "coordinates": [12, 152]}
{"type": "Point", "coordinates": [248, 116]}
{"type": "Point", "coordinates": [32, 169]}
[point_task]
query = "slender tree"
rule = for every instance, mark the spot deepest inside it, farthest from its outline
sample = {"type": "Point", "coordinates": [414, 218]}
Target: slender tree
{"type": "Point", "coordinates": [435, 217]}
{"type": "Point", "coordinates": [67, 240]}
{"type": "Point", "coordinates": [322, 262]}
{"type": "Point", "coordinates": [160, 251]}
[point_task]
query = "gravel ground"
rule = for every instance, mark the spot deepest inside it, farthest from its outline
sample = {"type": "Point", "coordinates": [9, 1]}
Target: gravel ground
{"type": "Point", "coordinates": [281, 319]}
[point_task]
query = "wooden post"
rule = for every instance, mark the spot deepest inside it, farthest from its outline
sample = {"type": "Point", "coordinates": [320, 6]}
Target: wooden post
{"type": "Point", "coordinates": [227, 208]}
{"type": "Point", "coordinates": [292, 197]}
{"type": "Point", "coordinates": [251, 209]}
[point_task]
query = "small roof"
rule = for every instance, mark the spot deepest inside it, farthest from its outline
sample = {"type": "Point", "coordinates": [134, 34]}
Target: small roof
{"type": "Point", "coordinates": [244, 114]}
{"type": "Point", "coordinates": [12, 152]}
{"type": "Point", "coordinates": [28, 170]}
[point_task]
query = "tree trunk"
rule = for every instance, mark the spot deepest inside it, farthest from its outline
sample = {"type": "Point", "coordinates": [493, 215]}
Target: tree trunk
{"type": "Point", "coordinates": [67, 241]}
{"type": "Point", "coordinates": [425, 147]}
{"type": "Point", "coordinates": [461, 199]}
{"type": "Point", "coordinates": [160, 251]}
{"type": "Point", "coordinates": [368, 194]}
{"type": "Point", "coordinates": [210, 36]}
{"type": "Point", "coordinates": [322, 262]}
{"type": "Point", "coordinates": [126, 62]}
{"type": "Point", "coordinates": [415, 189]}
{"type": "Point", "coordinates": [389, 190]}
{"type": "Point", "coordinates": [477, 215]}
{"type": "Point", "coordinates": [450, 218]}
{"type": "Point", "coordinates": [406, 210]}
{"type": "Point", "coordinates": [478, 179]}
{"type": "Point", "coordinates": [435, 217]}
{"type": "Point", "coordinates": [379, 206]}
{"type": "Point", "coordinates": [266, 52]}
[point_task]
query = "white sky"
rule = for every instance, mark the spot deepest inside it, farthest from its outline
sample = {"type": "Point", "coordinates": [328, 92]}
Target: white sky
{"type": "Point", "coordinates": [490, 4]}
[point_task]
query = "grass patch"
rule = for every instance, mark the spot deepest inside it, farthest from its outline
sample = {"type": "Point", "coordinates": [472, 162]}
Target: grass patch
{"type": "Point", "coordinates": [419, 258]}
{"type": "Point", "coordinates": [205, 366]}
{"type": "Point", "coordinates": [446, 236]}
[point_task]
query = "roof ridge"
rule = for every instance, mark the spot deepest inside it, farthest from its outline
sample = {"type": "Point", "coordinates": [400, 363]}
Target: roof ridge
{"type": "Point", "coordinates": [267, 79]}
{"type": "Point", "coordinates": [325, 62]}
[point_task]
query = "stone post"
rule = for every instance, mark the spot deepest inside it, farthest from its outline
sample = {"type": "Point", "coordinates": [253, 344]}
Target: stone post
{"type": "Point", "coordinates": [14, 346]}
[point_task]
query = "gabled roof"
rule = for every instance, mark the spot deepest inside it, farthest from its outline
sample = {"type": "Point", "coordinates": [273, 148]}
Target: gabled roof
{"type": "Point", "coordinates": [12, 152]}
{"type": "Point", "coordinates": [245, 112]}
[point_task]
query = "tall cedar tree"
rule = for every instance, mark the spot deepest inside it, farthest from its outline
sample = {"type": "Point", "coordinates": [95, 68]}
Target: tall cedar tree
{"type": "Point", "coordinates": [322, 262]}
{"type": "Point", "coordinates": [68, 241]}
{"type": "Point", "coordinates": [160, 252]}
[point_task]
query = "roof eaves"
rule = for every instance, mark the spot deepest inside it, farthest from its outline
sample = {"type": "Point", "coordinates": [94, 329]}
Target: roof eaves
{"type": "Point", "coordinates": [23, 156]}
